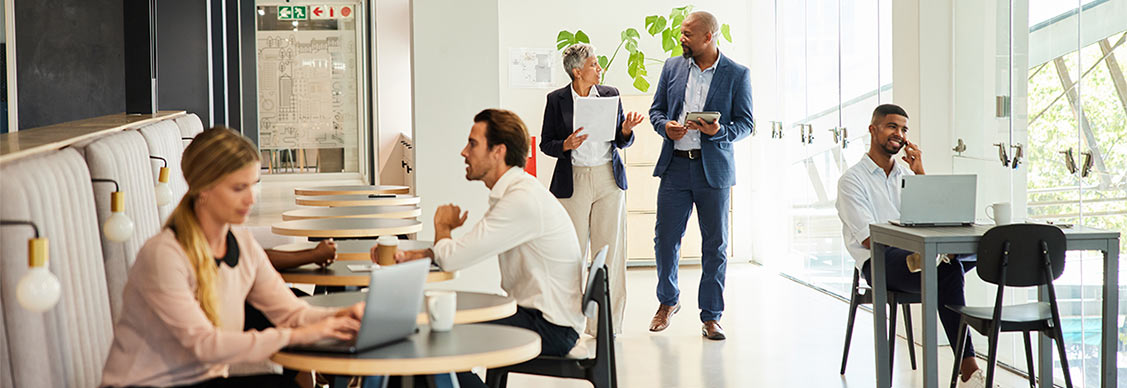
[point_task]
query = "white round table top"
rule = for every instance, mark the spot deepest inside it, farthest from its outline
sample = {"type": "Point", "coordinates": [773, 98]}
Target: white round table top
{"type": "Point", "coordinates": [351, 189]}
{"type": "Point", "coordinates": [338, 274]}
{"type": "Point", "coordinates": [347, 227]}
{"type": "Point", "coordinates": [355, 249]}
{"type": "Point", "coordinates": [406, 211]}
{"type": "Point", "coordinates": [471, 307]}
{"type": "Point", "coordinates": [357, 200]}
{"type": "Point", "coordinates": [426, 352]}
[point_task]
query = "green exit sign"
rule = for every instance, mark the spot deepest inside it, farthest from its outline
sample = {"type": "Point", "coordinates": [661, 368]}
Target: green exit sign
{"type": "Point", "coordinates": [293, 12]}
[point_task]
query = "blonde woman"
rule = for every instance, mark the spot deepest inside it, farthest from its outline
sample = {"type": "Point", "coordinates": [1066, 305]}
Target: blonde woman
{"type": "Point", "coordinates": [182, 321]}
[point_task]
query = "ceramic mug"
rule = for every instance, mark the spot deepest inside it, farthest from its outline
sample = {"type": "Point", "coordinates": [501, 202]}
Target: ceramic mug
{"type": "Point", "coordinates": [441, 306]}
{"type": "Point", "coordinates": [1000, 213]}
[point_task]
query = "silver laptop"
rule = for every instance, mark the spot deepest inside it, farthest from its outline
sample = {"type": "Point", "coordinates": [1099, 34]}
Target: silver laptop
{"type": "Point", "coordinates": [937, 200]}
{"type": "Point", "coordinates": [391, 310]}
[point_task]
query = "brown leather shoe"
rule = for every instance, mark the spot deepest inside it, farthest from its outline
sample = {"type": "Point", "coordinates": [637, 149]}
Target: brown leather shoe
{"type": "Point", "coordinates": [712, 330]}
{"type": "Point", "coordinates": [661, 317]}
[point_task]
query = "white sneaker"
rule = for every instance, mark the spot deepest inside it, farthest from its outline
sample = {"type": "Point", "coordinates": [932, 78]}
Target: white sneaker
{"type": "Point", "coordinates": [977, 380]}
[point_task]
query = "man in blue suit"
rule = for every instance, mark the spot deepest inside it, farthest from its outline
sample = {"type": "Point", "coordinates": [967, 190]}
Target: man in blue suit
{"type": "Point", "coordinates": [696, 165]}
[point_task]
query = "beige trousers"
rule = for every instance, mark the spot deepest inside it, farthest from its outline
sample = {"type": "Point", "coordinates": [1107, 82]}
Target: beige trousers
{"type": "Point", "coordinates": [598, 210]}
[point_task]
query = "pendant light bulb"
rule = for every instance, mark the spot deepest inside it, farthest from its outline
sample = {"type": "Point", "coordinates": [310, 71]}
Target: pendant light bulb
{"type": "Point", "coordinates": [118, 227]}
{"type": "Point", "coordinates": [38, 290]}
{"type": "Point", "coordinates": [163, 189]}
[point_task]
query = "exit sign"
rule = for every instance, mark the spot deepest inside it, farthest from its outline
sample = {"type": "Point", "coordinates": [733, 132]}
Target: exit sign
{"type": "Point", "coordinates": [293, 12]}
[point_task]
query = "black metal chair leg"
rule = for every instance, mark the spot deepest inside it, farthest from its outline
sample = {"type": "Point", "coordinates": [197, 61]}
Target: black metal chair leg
{"type": "Point", "coordinates": [1063, 356]}
{"type": "Point", "coordinates": [853, 303]}
{"type": "Point", "coordinates": [908, 327]}
{"type": "Point", "coordinates": [959, 347]}
{"type": "Point", "coordinates": [495, 378]}
{"type": "Point", "coordinates": [992, 359]}
{"type": "Point", "coordinates": [1029, 359]}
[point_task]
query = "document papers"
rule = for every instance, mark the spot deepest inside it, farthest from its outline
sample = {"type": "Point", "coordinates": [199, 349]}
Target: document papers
{"type": "Point", "coordinates": [598, 116]}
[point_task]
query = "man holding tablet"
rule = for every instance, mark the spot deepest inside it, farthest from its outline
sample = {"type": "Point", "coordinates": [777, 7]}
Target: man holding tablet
{"type": "Point", "coordinates": [702, 105]}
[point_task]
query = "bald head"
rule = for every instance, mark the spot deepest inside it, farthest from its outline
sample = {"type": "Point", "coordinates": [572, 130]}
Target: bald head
{"type": "Point", "coordinates": [704, 21]}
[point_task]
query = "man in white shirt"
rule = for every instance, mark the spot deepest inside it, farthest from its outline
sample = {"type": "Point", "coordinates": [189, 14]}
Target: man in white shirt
{"type": "Point", "coordinates": [525, 227]}
{"type": "Point", "coordinates": [869, 192]}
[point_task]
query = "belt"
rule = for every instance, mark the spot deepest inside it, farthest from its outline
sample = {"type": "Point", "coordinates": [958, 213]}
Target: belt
{"type": "Point", "coordinates": [691, 154]}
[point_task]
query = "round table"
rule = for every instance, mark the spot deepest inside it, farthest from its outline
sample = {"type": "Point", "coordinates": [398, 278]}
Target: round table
{"type": "Point", "coordinates": [357, 200]}
{"type": "Point", "coordinates": [351, 189]}
{"type": "Point", "coordinates": [338, 274]}
{"type": "Point", "coordinates": [426, 352]}
{"type": "Point", "coordinates": [347, 227]}
{"type": "Point", "coordinates": [473, 307]}
{"type": "Point", "coordinates": [355, 249]}
{"type": "Point", "coordinates": [406, 211]}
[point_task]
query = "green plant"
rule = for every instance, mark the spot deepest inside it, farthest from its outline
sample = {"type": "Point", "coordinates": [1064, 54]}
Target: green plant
{"type": "Point", "coordinates": [628, 39]}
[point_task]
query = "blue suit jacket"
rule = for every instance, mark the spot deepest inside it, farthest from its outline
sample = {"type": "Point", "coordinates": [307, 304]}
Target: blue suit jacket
{"type": "Point", "coordinates": [557, 127]}
{"type": "Point", "coordinates": [729, 94]}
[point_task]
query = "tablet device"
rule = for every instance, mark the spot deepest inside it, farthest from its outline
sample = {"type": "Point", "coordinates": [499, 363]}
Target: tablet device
{"type": "Point", "coordinates": [708, 117]}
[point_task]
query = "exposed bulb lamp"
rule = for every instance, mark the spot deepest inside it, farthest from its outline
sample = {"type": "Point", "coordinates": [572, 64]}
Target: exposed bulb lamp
{"type": "Point", "coordinates": [118, 227]}
{"type": "Point", "coordinates": [163, 190]}
{"type": "Point", "coordinates": [38, 290]}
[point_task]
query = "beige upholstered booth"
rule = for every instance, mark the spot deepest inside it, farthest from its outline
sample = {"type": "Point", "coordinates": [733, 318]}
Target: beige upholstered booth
{"type": "Point", "coordinates": [67, 345]}
{"type": "Point", "coordinates": [163, 139]}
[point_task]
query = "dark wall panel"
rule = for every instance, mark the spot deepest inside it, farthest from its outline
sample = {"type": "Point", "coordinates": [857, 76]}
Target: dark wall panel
{"type": "Point", "coordinates": [182, 61]}
{"type": "Point", "coordinates": [69, 59]}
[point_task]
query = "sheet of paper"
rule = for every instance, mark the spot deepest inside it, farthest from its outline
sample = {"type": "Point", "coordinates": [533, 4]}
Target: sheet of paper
{"type": "Point", "coordinates": [597, 116]}
{"type": "Point", "coordinates": [363, 267]}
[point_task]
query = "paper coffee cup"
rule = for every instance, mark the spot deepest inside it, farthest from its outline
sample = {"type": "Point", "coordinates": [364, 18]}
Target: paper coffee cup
{"type": "Point", "coordinates": [386, 246]}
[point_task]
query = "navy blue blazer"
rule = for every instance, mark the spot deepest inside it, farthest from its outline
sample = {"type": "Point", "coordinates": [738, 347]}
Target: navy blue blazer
{"type": "Point", "coordinates": [557, 127]}
{"type": "Point", "coordinates": [729, 93]}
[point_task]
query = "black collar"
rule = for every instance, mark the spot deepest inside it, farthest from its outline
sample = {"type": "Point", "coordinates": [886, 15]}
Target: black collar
{"type": "Point", "coordinates": [232, 255]}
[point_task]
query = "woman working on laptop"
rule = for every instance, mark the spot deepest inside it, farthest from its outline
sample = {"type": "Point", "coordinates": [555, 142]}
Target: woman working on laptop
{"type": "Point", "coordinates": [182, 320]}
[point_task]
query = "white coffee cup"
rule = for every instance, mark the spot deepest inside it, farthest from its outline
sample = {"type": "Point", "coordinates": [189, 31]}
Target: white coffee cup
{"type": "Point", "coordinates": [441, 306]}
{"type": "Point", "coordinates": [1000, 213]}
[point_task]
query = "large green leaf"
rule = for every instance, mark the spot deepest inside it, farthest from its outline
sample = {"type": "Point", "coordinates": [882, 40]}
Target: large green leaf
{"type": "Point", "coordinates": [632, 69]}
{"type": "Point", "coordinates": [726, 31]}
{"type": "Point", "coordinates": [632, 33]}
{"type": "Point", "coordinates": [641, 84]}
{"type": "Point", "coordinates": [564, 39]}
{"type": "Point", "coordinates": [675, 20]}
{"type": "Point", "coordinates": [631, 46]}
{"type": "Point", "coordinates": [667, 42]}
{"type": "Point", "coordinates": [655, 24]}
{"type": "Point", "coordinates": [676, 52]}
{"type": "Point", "coordinates": [581, 37]}
{"type": "Point", "coordinates": [603, 62]}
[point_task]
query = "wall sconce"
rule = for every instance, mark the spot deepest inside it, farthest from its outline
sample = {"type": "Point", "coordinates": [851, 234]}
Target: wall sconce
{"type": "Point", "coordinates": [118, 227]}
{"type": "Point", "coordinates": [163, 190]}
{"type": "Point", "coordinates": [38, 290]}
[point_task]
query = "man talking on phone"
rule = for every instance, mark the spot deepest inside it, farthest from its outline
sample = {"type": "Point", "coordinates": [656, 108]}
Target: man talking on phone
{"type": "Point", "coordinates": [696, 165]}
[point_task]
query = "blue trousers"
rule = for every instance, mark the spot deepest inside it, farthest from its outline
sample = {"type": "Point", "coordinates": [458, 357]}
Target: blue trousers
{"type": "Point", "coordinates": [683, 185]}
{"type": "Point", "coordinates": [950, 287]}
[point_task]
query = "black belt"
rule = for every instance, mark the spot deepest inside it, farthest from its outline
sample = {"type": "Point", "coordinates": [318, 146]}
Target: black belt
{"type": "Point", "coordinates": [691, 154]}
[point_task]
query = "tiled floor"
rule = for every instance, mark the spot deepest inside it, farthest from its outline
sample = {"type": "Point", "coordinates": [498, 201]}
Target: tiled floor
{"type": "Point", "coordinates": [780, 334]}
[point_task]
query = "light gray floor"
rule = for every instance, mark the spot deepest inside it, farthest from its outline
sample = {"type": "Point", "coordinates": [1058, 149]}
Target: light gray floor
{"type": "Point", "coordinates": [780, 334]}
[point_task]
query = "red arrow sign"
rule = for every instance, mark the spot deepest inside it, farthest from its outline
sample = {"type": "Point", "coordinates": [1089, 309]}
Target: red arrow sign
{"type": "Point", "coordinates": [317, 11]}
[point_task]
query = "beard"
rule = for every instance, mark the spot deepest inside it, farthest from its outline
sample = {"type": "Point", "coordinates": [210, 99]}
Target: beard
{"type": "Point", "coordinates": [472, 174]}
{"type": "Point", "coordinates": [686, 51]}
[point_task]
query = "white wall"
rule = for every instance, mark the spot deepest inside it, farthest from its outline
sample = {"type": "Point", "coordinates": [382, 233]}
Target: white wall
{"type": "Point", "coordinates": [534, 24]}
{"type": "Point", "coordinates": [392, 26]}
{"type": "Point", "coordinates": [454, 61]}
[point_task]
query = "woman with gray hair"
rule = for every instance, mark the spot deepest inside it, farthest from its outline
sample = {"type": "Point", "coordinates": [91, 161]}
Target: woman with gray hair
{"type": "Point", "coordinates": [590, 179]}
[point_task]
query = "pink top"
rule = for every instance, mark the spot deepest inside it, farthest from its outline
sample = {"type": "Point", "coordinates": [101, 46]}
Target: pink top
{"type": "Point", "coordinates": [163, 337]}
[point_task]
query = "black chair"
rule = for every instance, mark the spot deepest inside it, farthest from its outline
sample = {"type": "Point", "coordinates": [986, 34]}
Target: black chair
{"type": "Point", "coordinates": [1019, 255]}
{"type": "Point", "coordinates": [600, 369]}
{"type": "Point", "coordinates": [864, 295]}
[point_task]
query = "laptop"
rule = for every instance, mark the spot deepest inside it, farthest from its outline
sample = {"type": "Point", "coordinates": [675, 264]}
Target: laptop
{"type": "Point", "coordinates": [937, 200]}
{"type": "Point", "coordinates": [391, 311]}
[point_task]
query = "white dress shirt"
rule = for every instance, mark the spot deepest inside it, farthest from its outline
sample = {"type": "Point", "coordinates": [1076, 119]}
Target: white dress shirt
{"type": "Point", "coordinates": [696, 93]}
{"type": "Point", "coordinates": [590, 153]}
{"type": "Point", "coordinates": [533, 238]}
{"type": "Point", "coordinates": [865, 195]}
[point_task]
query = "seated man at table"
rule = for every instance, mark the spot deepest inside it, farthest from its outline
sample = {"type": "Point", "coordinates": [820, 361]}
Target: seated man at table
{"type": "Point", "coordinates": [868, 193]}
{"type": "Point", "coordinates": [525, 227]}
